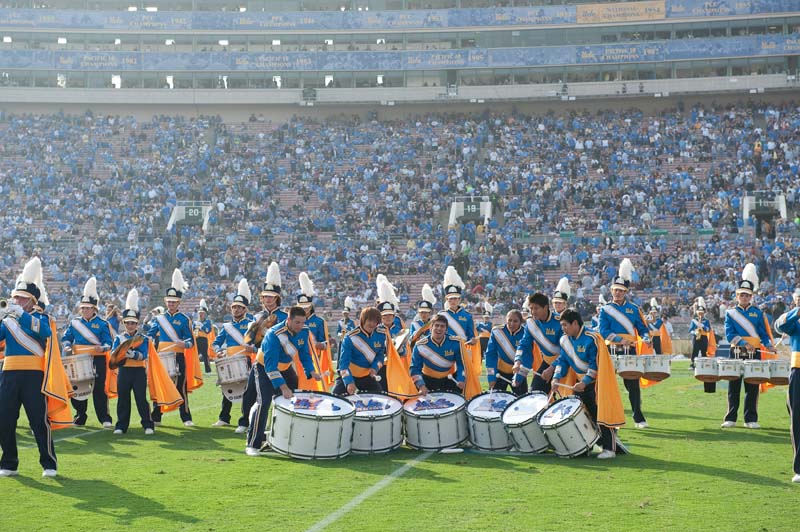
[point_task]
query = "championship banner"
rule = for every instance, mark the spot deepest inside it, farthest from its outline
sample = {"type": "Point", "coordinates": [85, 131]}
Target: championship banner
{"type": "Point", "coordinates": [621, 12]}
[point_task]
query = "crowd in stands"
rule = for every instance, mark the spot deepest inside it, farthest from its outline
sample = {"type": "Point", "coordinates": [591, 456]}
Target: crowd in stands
{"type": "Point", "coordinates": [348, 197]}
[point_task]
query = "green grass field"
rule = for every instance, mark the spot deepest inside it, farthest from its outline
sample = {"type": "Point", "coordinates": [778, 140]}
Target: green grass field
{"type": "Point", "coordinates": [685, 473]}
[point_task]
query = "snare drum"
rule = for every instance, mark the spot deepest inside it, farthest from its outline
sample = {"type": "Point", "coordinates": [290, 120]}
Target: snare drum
{"type": "Point", "coordinates": [435, 421]}
{"type": "Point", "coordinates": [656, 367]}
{"type": "Point", "coordinates": [312, 425]}
{"type": "Point", "coordinates": [80, 371]}
{"type": "Point", "coordinates": [378, 423]}
{"type": "Point", "coordinates": [730, 369]}
{"type": "Point", "coordinates": [232, 372]}
{"type": "Point", "coordinates": [706, 369]}
{"type": "Point", "coordinates": [484, 413]}
{"type": "Point", "coordinates": [778, 371]}
{"type": "Point", "coordinates": [170, 364]}
{"type": "Point", "coordinates": [521, 421]}
{"type": "Point", "coordinates": [568, 427]}
{"type": "Point", "coordinates": [756, 371]}
{"type": "Point", "coordinates": [630, 366]}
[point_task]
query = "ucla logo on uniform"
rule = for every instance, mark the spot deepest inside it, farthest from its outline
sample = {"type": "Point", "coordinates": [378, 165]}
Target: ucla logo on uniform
{"type": "Point", "coordinates": [581, 349]}
{"type": "Point", "coordinates": [94, 326]}
{"type": "Point", "coordinates": [449, 352]}
{"type": "Point", "coordinates": [462, 318]}
{"type": "Point", "coordinates": [628, 311]}
{"type": "Point", "coordinates": [300, 342]}
{"type": "Point", "coordinates": [376, 344]}
{"type": "Point", "coordinates": [549, 331]}
{"type": "Point", "coordinates": [753, 314]}
{"type": "Point", "coordinates": [176, 322]}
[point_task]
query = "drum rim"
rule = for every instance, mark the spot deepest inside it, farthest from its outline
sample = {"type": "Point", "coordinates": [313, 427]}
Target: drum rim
{"type": "Point", "coordinates": [437, 448]}
{"type": "Point", "coordinates": [526, 422]}
{"type": "Point", "coordinates": [379, 451]}
{"type": "Point", "coordinates": [490, 392]}
{"type": "Point", "coordinates": [489, 422]}
{"type": "Point", "coordinates": [308, 456]}
{"type": "Point", "coordinates": [563, 421]}
{"type": "Point", "coordinates": [382, 416]}
{"type": "Point", "coordinates": [455, 410]}
{"type": "Point", "coordinates": [294, 413]}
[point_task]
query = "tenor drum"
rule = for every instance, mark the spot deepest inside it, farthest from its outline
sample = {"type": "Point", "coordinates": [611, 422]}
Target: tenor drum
{"type": "Point", "coordinates": [656, 367]}
{"type": "Point", "coordinates": [730, 369]}
{"type": "Point", "coordinates": [706, 370]}
{"type": "Point", "coordinates": [435, 421]}
{"type": "Point", "coordinates": [778, 371]}
{"type": "Point", "coordinates": [378, 423]}
{"type": "Point", "coordinates": [630, 366]}
{"type": "Point", "coordinates": [756, 371]}
{"type": "Point", "coordinates": [232, 372]}
{"type": "Point", "coordinates": [170, 363]}
{"type": "Point", "coordinates": [569, 428]}
{"type": "Point", "coordinates": [312, 425]}
{"type": "Point", "coordinates": [484, 413]}
{"type": "Point", "coordinates": [80, 371]}
{"type": "Point", "coordinates": [520, 419]}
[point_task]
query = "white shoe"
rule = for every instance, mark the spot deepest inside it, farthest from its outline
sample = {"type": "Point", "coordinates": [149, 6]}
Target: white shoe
{"type": "Point", "coordinates": [795, 479]}
{"type": "Point", "coordinates": [49, 473]}
{"type": "Point", "coordinates": [606, 454]}
{"type": "Point", "coordinates": [107, 424]}
{"type": "Point", "coordinates": [642, 425]}
{"type": "Point", "coordinates": [240, 430]}
{"type": "Point", "coordinates": [728, 425]}
{"type": "Point", "coordinates": [752, 425]}
{"type": "Point", "coordinates": [149, 432]}
{"type": "Point", "coordinates": [189, 423]}
{"type": "Point", "coordinates": [14, 473]}
{"type": "Point", "coordinates": [220, 423]}
{"type": "Point", "coordinates": [118, 431]}
{"type": "Point", "coordinates": [252, 451]}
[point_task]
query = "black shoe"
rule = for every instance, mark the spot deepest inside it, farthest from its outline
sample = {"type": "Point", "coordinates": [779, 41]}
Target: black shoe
{"type": "Point", "coordinates": [79, 422]}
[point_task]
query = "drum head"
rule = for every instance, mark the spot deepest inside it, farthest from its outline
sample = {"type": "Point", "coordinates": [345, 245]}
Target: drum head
{"type": "Point", "coordinates": [559, 411]}
{"type": "Point", "coordinates": [315, 404]}
{"type": "Point", "coordinates": [525, 408]}
{"type": "Point", "coordinates": [375, 405]}
{"type": "Point", "coordinates": [436, 403]}
{"type": "Point", "coordinates": [489, 405]}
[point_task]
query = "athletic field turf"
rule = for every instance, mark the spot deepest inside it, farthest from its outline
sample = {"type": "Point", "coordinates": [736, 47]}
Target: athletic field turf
{"type": "Point", "coordinates": [685, 473]}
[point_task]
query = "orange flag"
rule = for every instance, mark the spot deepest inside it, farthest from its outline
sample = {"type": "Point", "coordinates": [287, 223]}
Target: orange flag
{"type": "Point", "coordinates": [323, 356]}
{"type": "Point", "coordinates": [162, 389]}
{"type": "Point", "coordinates": [55, 385]}
{"type": "Point", "coordinates": [765, 355]}
{"type": "Point", "coordinates": [471, 356]}
{"type": "Point", "coordinates": [194, 373]}
{"type": "Point", "coordinates": [398, 378]}
{"type": "Point", "coordinates": [666, 341]}
{"type": "Point", "coordinates": [610, 412]}
{"type": "Point", "coordinates": [303, 382]}
{"type": "Point", "coordinates": [712, 344]}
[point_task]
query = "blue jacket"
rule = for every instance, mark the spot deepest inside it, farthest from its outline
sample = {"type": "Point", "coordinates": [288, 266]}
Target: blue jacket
{"type": "Point", "coordinates": [627, 319]}
{"type": "Point", "coordinates": [500, 351]}
{"type": "Point", "coordinates": [437, 360]}
{"type": "Point", "coordinates": [546, 335]}
{"type": "Point", "coordinates": [140, 352]}
{"type": "Point", "coordinates": [789, 324]}
{"type": "Point", "coordinates": [465, 327]}
{"type": "Point", "coordinates": [225, 339]}
{"type": "Point", "coordinates": [749, 322]}
{"type": "Point", "coordinates": [279, 349]}
{"type": "Point", "coordinates": [34, 325]}
{"type": "Point", "coordinates": [580, 354]}
{"type": "Point", "coordinates": [180, 322]}
{"type": "Point", "coordinates": [357, 349]}
{"type": "Point", "coordinates": [96, 325]}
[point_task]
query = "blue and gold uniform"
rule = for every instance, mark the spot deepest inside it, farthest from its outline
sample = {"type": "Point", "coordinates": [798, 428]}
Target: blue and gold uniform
{"type": "Point", "coordinates": [789, 325]}
{"type": "Point", "coordinates": [654, 326]}
{"type": "Point", "coordinates": [204, 335]}
{"type": "Point", "coordinates": [82, 337]}
{"type": "Point", "coordinates": [231, 340]}
{"type": "Point", "coordinates": [500, 354]}
{"type": "Point", "coordinates": [415, 326]}
{"type": "Point", "coordinates": [172, 332]}
{"type": "Point", "coordinates": [459, 323]}
{"type": "Point", "coordinates": [343, 327]}
{"type": "Point", "coordinates": [273, 369]}
{"type": "Point", "coordinates": [432, 363]}
{"type": "Point", "coordinates": [132, 377]}
{"type": "Point", "coordinates": [361, 352]}
{"type": "Point", "coordinates": [546, 334]}
{"type": "Point", "coordinates": [699, 329]}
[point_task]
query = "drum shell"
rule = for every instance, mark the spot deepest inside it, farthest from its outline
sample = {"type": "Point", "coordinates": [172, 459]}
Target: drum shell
{"type": "Point", "coordinates": [310, 436]}
{"type": "Point", "coordinates": [232, 369]}
{"type": "Point", "coordinates": [170, 363]}
{"type": "Point", "coordinates": [80, 371]}
{"type": "Point", "coordinates": [779, 371]}
{"type": "Point", "coordinates": [527, 436]}
{"type": "Point", "coordinates": [436, 431]}
{"type": "Point", "coordinates": [730, 369]}
{"type": "Point", "coordinates": [756, 371]}
{"type": "Point", "coordinates": [378, 433]}
{"type": "Point", "coordinates": [574, 435]}
{"type": "Point", "coordinates": [656, 367]}
{"type": "Point", "coordinates": [485, 432]}
{"type": "Point", "coordinates": [630, 366]}
{"type": "Point", "coordinates": [706, 369]}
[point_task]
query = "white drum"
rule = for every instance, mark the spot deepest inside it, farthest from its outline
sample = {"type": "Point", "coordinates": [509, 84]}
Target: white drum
{"type": "Point", "coordinates": [484, 413]}
{"type": "Point", "coordinates": [614, 362]}
{"type": "Point", "coordinates": [730, 369]}
{"type": "Point", "coordinates": [312, 425]}
{"type": "Point", "coordinates": [520, 419]}
{"type": "Point", "coordinates": [170, 364]}
{"type": "Point", "coordinates": [569, 428]}
{"type": "Point", "coordinates": [435, 421]}
{"type": "Point", "coordinates": [778, 371]}
{"type": "Point", "coordinates": [705, 369]}
{"type": "Point", "coordinates": [232, 372]}
{"type": "Point", "coordinates": [378, 424]}
{"type": "Point", "coordinates": [756, 371]}
{"type": "Point", "coordinates": [656, 367]}
{"type": "Point", "coordinates": [630, 366]}
{"type": "Point", "coordinates": [80, 371]}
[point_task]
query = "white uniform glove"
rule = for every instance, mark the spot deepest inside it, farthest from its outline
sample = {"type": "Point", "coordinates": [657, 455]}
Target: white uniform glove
{"type": "Point", "coordinates": [188, 343]}
{"type": "Point", "coordinates": [130, 354]}
{"type": "Point", "coordinates": [15, 309]}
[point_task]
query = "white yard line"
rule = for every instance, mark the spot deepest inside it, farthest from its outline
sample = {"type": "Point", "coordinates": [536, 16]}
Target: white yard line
{"type": "Point", "coordinates": [367, 493]}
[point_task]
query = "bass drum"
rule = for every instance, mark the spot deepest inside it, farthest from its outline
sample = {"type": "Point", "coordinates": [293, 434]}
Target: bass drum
{"type": "Point", "coordinates": [484, 413]}
{"type": "Point", "coordinates": [378, 424]}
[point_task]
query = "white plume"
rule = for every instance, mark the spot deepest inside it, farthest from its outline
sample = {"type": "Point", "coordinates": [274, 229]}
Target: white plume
{"type": "Point", "coordinates": [32, 271]}
{"type": "Point", "coordinates": [602, 300]}
{"type": "Point", "coordinates": [274, 274]}
{"type": "Point", "coordinates": [653, 302]}
{"type": "Point", "coordinates": [244, 289]}
{"type": "Point", "coordinates": [383, 279]}
{"type": "Point", "coordinates": [749, 273]}
{"type": "Point", "coordinates": [90, 288]}
{"type": "Point", "coordinates": [44, 299]}
{"type": "Point", "coordinates": [563, 286]}
{"type": "Point", "coordinates": [386, 292]}
{"type": "Point", "coordinates": [626, 269]}
{"type": "Point", "coordinates": [202, 304]}
{"type": "Point", "coordinates": [487, 308]}
{"type": "Point", "coordinates": [348, 302]}
{"type": "Point", "coordinates": [178, 283]}
{"type": "Point", "coordinates": [306, 285]}
{"type": "Point", "coordinates": [451, 277]}
{"type": "Point", "coordinates": [427, 294]}
{"type": "Point", "coordinates": [701, 302]}
{"type": "Point", "coordinates": [132, 301]}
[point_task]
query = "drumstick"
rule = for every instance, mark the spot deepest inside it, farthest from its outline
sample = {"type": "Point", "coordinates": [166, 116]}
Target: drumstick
{"type": "Point", "coordinates": [537, 373]}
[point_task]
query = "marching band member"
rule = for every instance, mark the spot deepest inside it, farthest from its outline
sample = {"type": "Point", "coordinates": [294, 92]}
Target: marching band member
{"type": "Point", "coordinates": [363, 354]}
{"type": "Point", "coordinates": [561, 296]}
{"type": "Point", "coordinates": [132, 376]}
{"type": "Point", "coordinates": [585, 352]}
{"type": "Point", "coordinates": [459, 320]}
{"type": "Point", "coordinates": [388, 305]}
{"type": "Point", "coordinates": [91, 335]}
{"type": "Point", "coordinates": [319, 331]}
{"type": "Point", "coordinates": [620, 322]}
{"type": "Point", "coordinates": [424, 311]}
{"type": "Point", "coordinates": [173, 333]}
{"type": "Point", "coordinates": [345, 325]}
{"type": "Point", "coordinates": [274, 371]}
{"type": "Point", "coordinates": [746, 327]}
{"type": "Point", "coordinates": [789, 325]}
{"type": "Point", "coordinates": [231, 343]}
{"type": "Point", "coordinates": [654, 323]}
{"type": "Point", "coordinates": [113, 317]}
{"type": "Point", "coordinates": [437, 357]}
{"type": "Point", "coordinates": [595, 325]}
{"type": "Point", "coordinates": [204, 334]}
{"type": "Point", "coordinates": [542, 331]}
{"type": "Point", "coordinates": [500, 354]}
{"type": "Point", "coordinates": [28, 356]}
{"type": "Point", "coordinates": [699, 330]}
{"type": "Point", "coordinates": [270, 298]}
{"type": "Point", "coordinates": [484, 328]}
